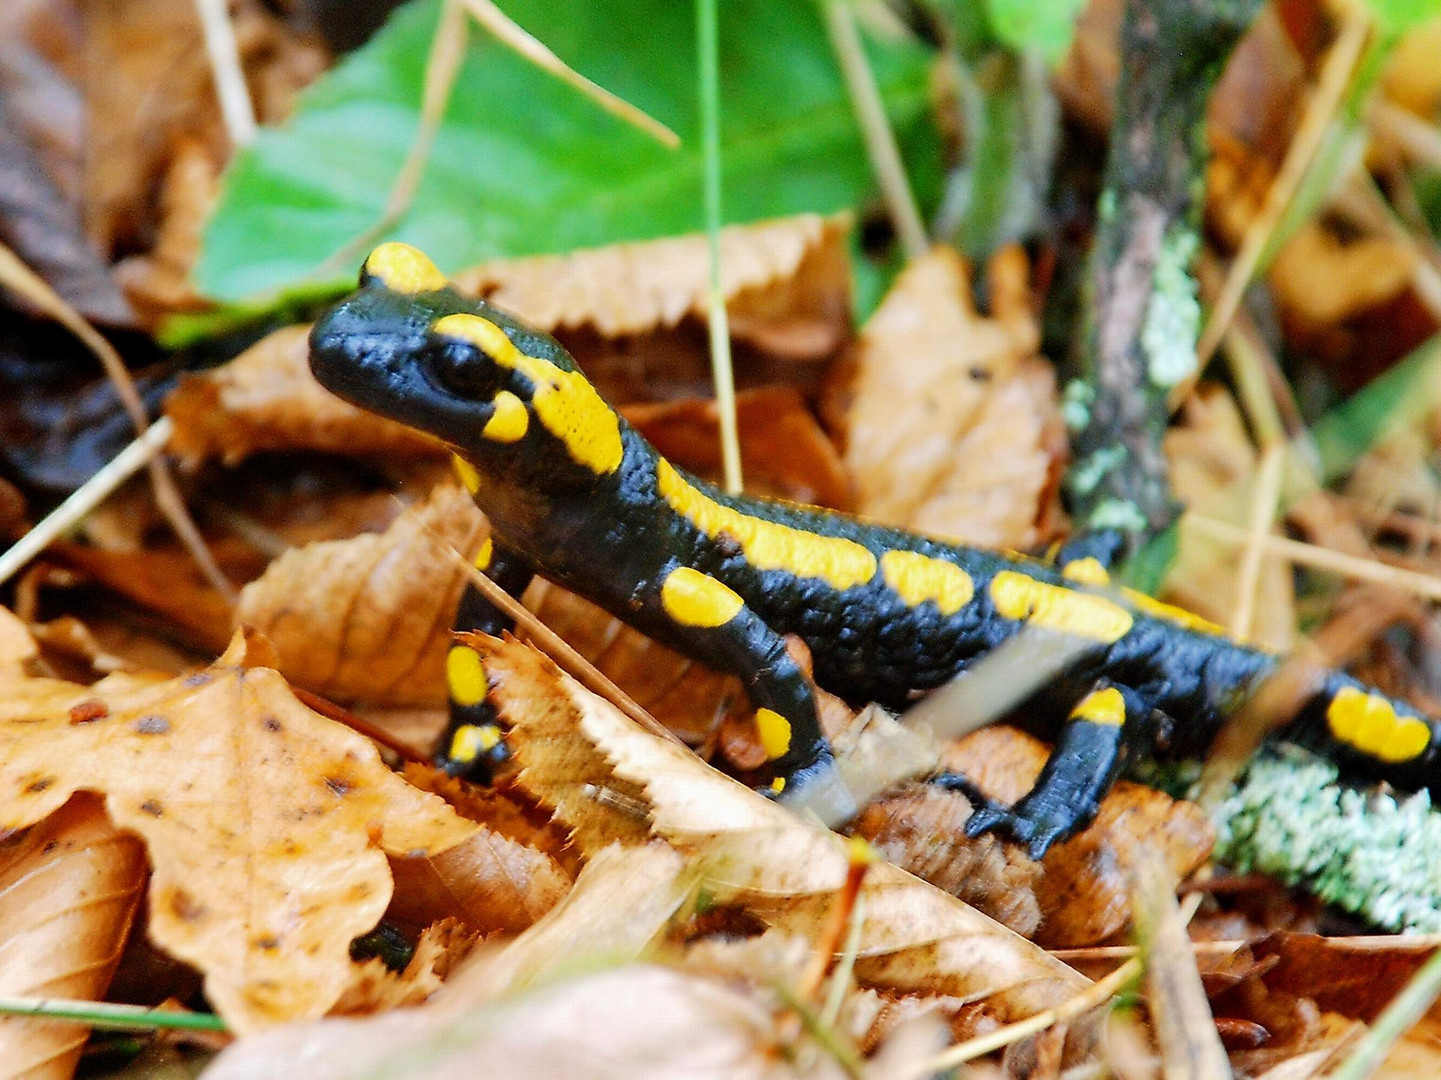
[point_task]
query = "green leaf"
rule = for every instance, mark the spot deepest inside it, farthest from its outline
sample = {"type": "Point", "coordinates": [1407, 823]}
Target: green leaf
{"type": "Point", "coordinates": [1043, 26]}
{"type": "Point", "coordinates": [1401, 15]}
{"type": "Point", "coordinates": [524, 165]}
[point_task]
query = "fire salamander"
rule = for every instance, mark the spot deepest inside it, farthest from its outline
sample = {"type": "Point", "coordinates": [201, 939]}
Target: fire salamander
{"type": "Point", "coordinates": [575, 494]}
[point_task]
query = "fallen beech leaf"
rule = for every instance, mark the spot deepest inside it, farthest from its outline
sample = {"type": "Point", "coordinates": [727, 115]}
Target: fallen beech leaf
{"type": "Point", "coordinates": [68, 889]}
{"type": "Point", "coordinates": [266, 399]}
{"type": "Point", "coordinates": [1322, 281]}
{"type": "Point", "coordinates": [375, 987]}
{"type": "Point", "coordinates": [266, 824]}
{"type": "Point", "coordinates": [1083, 892]}
{"type": "Point", "coordinates": [1354, 977]}
{"type": "Point", "coordinates": [573, 745]}
{"type": "Point", "coordinates": [368, 618]}
{"type": "Point", "coordinates": [934, 387]}
{"type": "Point", "coordinates": [17, 647]}
{"type": "Point", "coordinates": [784, 452]}
{"type": "Point", "coordinates": [786, 285]}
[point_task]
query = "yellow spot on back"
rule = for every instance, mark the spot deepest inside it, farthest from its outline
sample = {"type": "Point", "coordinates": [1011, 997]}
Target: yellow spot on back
{"type": "Point", "coordinates": [775, 732]}
{"type": "Point", "coordinates": [918, 578]}
{"type": "Point", "coordinates": [1054, 607]}
{"type": "Point", "coordinates": [1087, 571]}
{"type": "Point", "coordinates": [404, 269]}
{"type": "Point", "coordinates": [1102, 707]}
{"type": "Point", "coordinates": [767, 545]}
{"type": "Point", "coordinates": [509, 421]}
{"type": "Point", "coordinates": [465, 675]}
{"type": "Point", "coordinates": [466, 473]}
{"type": "Point", "coordinates": [695, 599]}
{"type": "Point", "coordinates": [1370, 724]}
{"type": "Point", "coordinates": [485, 554]}
{"type": "Point", "coordinates": [1177, 616]}
{"type": "Point", "coordinates": [564, 401]}
{"type": "Point", "coordinates": [470, 739]}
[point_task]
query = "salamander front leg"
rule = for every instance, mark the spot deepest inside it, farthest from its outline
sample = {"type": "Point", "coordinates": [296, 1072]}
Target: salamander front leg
{"type": "Point", "coordinates": [1080, 771]}
{"type": "Point", "coordinates": [705, 618]}
{"type": "Point", "coordinates": [473, 745]}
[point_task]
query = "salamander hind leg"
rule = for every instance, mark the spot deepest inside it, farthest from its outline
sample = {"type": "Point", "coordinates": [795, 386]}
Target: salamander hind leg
{"type": "Point", "coordinates": [473, 745]}
{"type": "Point", "coordinates": [708, 620]}
{"type": "Point", "coordinates": [1082, 767]}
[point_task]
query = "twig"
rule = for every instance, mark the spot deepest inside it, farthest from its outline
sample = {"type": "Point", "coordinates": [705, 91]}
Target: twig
{"type": "Point", "coordinates": [107, 1016]}
{"type": "Point", "coordinates": [1410, 942]}
{"type": "Point", "coordinates": [880, 141]}
{"type": "Point", "coordinates": [14, 273]}
{"type": "Point", "coordinates": [224, 54]}
{"type": "Point", "coordinates": [85, 498]}
{"type": "Point", "coordinates": [718, 319]}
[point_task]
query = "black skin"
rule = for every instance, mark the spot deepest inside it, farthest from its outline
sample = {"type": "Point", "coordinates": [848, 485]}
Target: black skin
{"type": "Point", "coordinates": [613, 539]}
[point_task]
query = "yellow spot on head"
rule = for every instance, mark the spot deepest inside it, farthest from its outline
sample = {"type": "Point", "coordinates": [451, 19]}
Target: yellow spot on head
{"type": "Point", "coordinates": [695, 599]}
{"type": "Point", "coordinates": [509, 421]}
{"type": "Point", "coordinates": [470, 739]}
{"type": "Point", "coordinates": [465, 675]}
{"type": "Point", "coordinates": [918, 578]}
{"type": "Point", "coordinates": [775, 732]}
{"type": "Point", "coordinates": [1087, 571]}
{"type": "Point", "coordinates": [1370, 724]}
{"type": "Point", "coordinates": [766, 545]}
{"type": "Point", "coordinates": [485, 554]}
{"type": "Point", "coordinates": [1149, 605]}
{"type": "Point", "coordinates": [1054, 607]}
{"type": "Point", "coordinates": [466, 473]}
{"type": "Point", "coordinates": [404, 269]}
{"type": "Point", "coordinates": [1102, 707]}
{"type": "Point", "coordinates": [564, 401]}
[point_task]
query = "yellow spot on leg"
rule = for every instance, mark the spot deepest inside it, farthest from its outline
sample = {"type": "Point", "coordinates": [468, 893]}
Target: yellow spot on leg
{"type": "Point", "coordinates": [509, 421]}
{"type": "Point", "coordinates": [466, 473]}
{"type": "Point", "coordinates": [918, 578]}
{"type": "Point", "coordinates": [778, 785]}
{"type": "Point", "coordinates": [695, 599]}
{"type": "Point", "coordinates": [465, 675]}
{"type": "Point", "coordinates": [470, 739]}
{"type": "Point", "coordinates": [1087, 571]}
{"type": "Point", "coordinates": [775, 732]}
{"type": "Point", "coordinates": [1102, 707]}
{"type": "Point", "coordinates": [766, 545]}
{"type": "Point", "coordinates": [1370, 724]}
{"type": "Point", "coordinates": [564, 401]}
{"type": "Point", "coordinates": [1053, 607]}
{"type": "Point", "coordinates": [485, 554]}
{"type": "Point", "coordinates": [404, 269]}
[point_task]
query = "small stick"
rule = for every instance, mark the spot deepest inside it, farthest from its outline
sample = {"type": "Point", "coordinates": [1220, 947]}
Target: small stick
{"type": "Point", "coordinates": [224, 54]}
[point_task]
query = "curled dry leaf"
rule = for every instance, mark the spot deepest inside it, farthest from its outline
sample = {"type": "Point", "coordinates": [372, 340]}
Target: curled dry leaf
{"type": "Point", "coordinates": [266, 399]}
{"type": "Point", "coordinates": [950, 427]}
{"type": "Point", "coordinates": [68, 889]}
{"type": "Point", "coordinates": [1083, 891]}
{"type": "Point", "coordinates": [1321, 281]}
{"type": "Point", "coordinates": [267, 825]}
{"type": "Point", "coordinates": [786, 285]}
{"type": "Point", "coordinates": [368, 618]}
{"type": "Point", "coordinates": [610, 780]}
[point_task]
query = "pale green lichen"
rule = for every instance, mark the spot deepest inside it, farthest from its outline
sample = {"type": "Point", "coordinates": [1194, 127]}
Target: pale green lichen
{"type": "Point", "coordinates": [1119, 514]}
{"type": "Point", "coordinates": [1076, 402]}
{"type": "Point", "coordinates": [1088, 473]}
{"type": "Point", "coordinates": [1370, 853]}
{"type": "Point", "coordinates": [1173, 313]}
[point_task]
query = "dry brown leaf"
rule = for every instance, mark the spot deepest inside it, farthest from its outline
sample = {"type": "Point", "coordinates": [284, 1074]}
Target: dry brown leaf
{"type": "Point", "coordinates": [17, 647]}
{"type": "Point", "coordinates": [1321, 281]}
{"type": "Point", "coordinates": [374, 987]}
{"type": "Point", "coordinates": [784, 452]}
{"type": "Point", "coordinates": [267, 825]}
{"type": "Point", "coordinates": [68, 889]}
{"type": "Point", "coordinates": [949, 430]}
{"type": "Point", "coordinates": [368, 618]}
{"type": "Point", "coordinates": [1083, 892]}
{"type": "Point", "coordinates": [609, 780]}
{"type": "Point", "coordinates": [266, 399]}
{"type": "Point", "coordinates": [1213, 471]}
{"type": "Point", "coordinates": [786, 284]}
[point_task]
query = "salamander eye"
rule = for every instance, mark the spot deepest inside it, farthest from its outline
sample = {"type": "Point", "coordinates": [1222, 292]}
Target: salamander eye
{"type": "Point", "coordinates": [464, 370]}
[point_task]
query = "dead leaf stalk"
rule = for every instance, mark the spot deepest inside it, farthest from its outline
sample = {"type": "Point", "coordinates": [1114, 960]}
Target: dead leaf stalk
{"type": "Point", "coordinates": [224, 55]}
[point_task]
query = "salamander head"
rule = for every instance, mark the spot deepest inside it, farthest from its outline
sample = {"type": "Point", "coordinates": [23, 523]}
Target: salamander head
{"type": "Point", "coordinates": [407, 346]}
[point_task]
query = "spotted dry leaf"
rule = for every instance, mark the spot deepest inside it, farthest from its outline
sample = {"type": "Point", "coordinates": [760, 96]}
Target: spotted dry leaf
{"type": "Point", "coordinates": [267, 825]}
{"type": "Point", "coordinates": [786, 284]}
{"type": "Point", "coordinates": [368, 618]}
{"type": "Point", "coordinates": [611, 781]}
{"type": "Point", "coordinates": [68, 889]}
{"type": "Point", "coordinates": [266, 399]}
{"type": "Point", "coordinates": [950, 426]}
